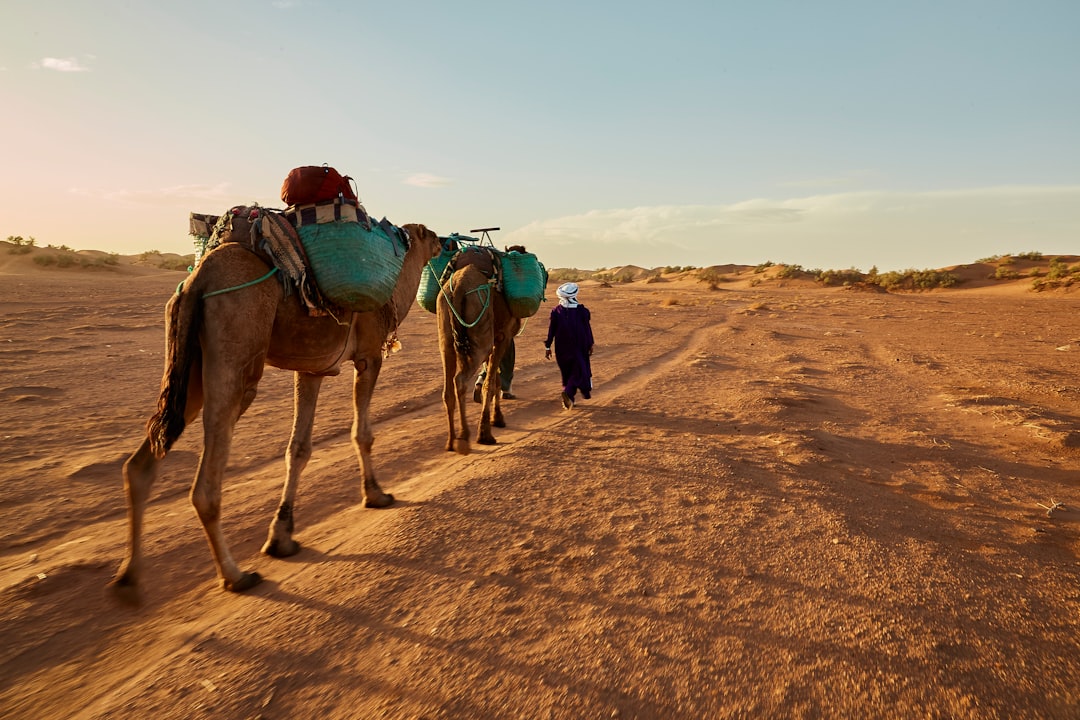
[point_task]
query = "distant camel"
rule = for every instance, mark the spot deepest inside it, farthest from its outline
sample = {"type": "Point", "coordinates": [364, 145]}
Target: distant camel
{"type": "Point", "coordinates": [217, 344]}
{"type": "Point", "coordinates": [475, 325]}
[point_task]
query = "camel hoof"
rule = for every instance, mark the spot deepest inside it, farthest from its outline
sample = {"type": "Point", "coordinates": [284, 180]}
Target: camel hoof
{"type": "Point", "coordinates": [498, 422]}
{"type": "Point", "coordinates": [247, 581]}
{"type": "Point", "coordinates": [281, 548]}
{"type": "Point", "coordinates": [384, 500]}
{"type": "Point", "coordinates": [461, 447]}
{"type": "Point", "coordinates": [489, 440]}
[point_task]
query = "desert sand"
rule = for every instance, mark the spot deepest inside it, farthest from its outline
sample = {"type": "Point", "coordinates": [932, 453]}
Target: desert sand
{"type": "Point", "coordinates": [783, 500]}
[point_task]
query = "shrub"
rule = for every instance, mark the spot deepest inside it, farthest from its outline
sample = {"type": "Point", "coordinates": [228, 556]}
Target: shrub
{"type": "Point", "coordinates": [916, 280]}
{"type": "Point", "coordinates": [788, 271]}
{"type": "Point", "coordinates": [45, 260]}
{"type": "Point", "coordinates": [1058, 270]}
{"type": "Point", "coordinates": [763, 266]}
{"type": "Point", "coordinates": [175, 264]}
{"type": "Point", "coordinates": [1004, 273]}
{"type": "Point", "coordinates": [565, 275]}
{"type": "Point", "coordinates": [843, 277]}
{"type": "Point", "coordinates": [712, 276]}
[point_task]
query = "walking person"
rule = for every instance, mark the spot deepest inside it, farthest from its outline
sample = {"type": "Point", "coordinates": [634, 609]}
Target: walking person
{"type": "Point", "coordinates": [570, 330]}
{"type": "Point", "coordinates": [506, 376]}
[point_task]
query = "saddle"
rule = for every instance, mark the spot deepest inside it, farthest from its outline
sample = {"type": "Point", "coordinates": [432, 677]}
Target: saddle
{"type": "Point", "coordinates": [480, 257]}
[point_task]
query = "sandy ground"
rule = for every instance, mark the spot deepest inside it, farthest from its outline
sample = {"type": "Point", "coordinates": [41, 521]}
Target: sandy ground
{"type": "Point", "coordinates": [784, 500]}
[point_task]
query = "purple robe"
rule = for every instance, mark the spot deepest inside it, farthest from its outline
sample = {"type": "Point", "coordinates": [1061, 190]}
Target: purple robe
{"type": "Point", "coordinates": [571, 331]}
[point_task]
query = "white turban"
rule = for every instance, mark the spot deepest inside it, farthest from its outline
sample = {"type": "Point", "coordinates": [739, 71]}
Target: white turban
{"type": "Point", "coordinates": [567, 293]}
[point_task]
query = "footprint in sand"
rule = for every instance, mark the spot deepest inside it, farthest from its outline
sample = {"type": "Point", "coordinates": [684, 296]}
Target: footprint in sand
{"type": "Point", "coordinates": [25, 393]}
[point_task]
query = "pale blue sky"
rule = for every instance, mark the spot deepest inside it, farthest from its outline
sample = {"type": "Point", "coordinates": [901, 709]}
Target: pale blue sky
{"type": "Point", "coordinates": [829, 134]}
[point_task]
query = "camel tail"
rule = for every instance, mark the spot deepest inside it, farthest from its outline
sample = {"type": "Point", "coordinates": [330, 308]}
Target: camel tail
{"type": "Point", "coordinates": [182, 319]}
{"type": "Point", "coordinates": [458, 295]}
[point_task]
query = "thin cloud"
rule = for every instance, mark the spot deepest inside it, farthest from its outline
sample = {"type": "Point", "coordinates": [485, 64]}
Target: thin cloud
{"type": "Point", "coordinates": [861, 229]}
{"type": "Point", "coordinates": [158, 196]}
{"type": "Point", "coordinates": [427, 180]}
{"type": "Point", "coordinates": [63, 65]}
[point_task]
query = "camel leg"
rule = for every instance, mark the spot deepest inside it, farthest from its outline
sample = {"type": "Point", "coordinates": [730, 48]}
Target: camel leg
{"type": "Point", "coordinates": [279, 541]}
{"type": "Point", "coordinates": [223, 408]}
{"type": "Point", "coordinates": [492, 390]}
{"type": "Point", "coordinates": [367, 372]}
{"type": "Point", "coordinates": [498, 420]}
{"type": "Point", "coordinates": [140, 472]}
{"type": "Point", "coordinates": [462, 383]}
{"type": "Point", "coordinates": [449, 394]}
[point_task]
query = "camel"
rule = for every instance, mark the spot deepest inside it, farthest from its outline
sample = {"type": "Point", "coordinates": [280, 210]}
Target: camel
{"type": "Point", "coordinates": [475, 324]}
{"type": "Point", "coordinates": [222, 328]}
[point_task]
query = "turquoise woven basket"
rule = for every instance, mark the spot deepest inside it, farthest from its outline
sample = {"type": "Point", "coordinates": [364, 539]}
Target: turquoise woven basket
{"type": "Point", "coordinates": [355, 268]}
{"type": "Point", "coordinates": [524, 279]}
{"type": "Point", "coordinates": [427, 293]}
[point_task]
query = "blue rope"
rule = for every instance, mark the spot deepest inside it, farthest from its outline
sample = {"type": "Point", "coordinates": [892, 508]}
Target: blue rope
{"type": "Point", "coordinates": [487, 302]}
{"type": "Point", "coordinates": [267, 276]}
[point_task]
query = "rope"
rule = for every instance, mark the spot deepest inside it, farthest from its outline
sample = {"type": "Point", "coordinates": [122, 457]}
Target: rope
{"type": "Point", "coordinates": [267, 276]}
{"type": "Point", "coordinates": [487, 302]}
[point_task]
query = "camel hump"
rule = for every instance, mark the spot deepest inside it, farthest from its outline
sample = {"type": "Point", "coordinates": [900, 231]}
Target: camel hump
{"type": "Point", "coordinates": [482, 258]}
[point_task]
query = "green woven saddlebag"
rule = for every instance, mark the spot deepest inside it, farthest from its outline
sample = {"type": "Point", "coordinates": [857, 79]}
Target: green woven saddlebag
{"type": "Point", "coordinates": [524, 279]}
{"type": "Point", "coordinates": [427, 293]}
{"type": "Point", "coordinates": [355, 267]}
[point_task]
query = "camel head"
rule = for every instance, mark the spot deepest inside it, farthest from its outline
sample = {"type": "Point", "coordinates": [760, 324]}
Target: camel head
{"type": "Point", "coordinates": [426, 240]}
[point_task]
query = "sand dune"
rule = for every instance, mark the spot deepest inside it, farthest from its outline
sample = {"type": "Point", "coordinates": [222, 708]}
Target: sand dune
{"type": "Point", "coordinates": [786, 499]}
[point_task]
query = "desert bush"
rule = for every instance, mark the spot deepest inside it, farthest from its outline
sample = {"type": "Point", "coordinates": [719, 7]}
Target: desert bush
{"type": "Point", "coordinates": [565, 275]}
{"type": "Point", "coordinates": [763, 266]}
{"type": "Point", "coordinates": [183, 263]}
{"type": "Point", "coordinates": [842, 277]}
{"type": "Point", "coordinates": [712, 276]}
{"type": "Point", "coordinates": [916, 279]}
{"type": "Point", "coordinates": [1058, 270]}
{"type": "Point", "coordinates": [20, 250]}
{"type": "Point", "coordinates": [1031, 255]}
{"type": "Point", "coordinates": [992, 258]}
{"type": "Point", "coordinates": [626, 275]}
{"type": "Point", "coordinates": [45, 260]}
{"type": "Point", "coordinates": [784, 271]}
{"type": "Point", "coordinates": [1004, 272]}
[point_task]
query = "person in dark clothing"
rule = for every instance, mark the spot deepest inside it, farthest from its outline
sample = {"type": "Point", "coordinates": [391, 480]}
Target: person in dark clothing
{"type": "Point", "coordinates": [506, 376]}
{"type": "Point", "coordinates": [570, 330]}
